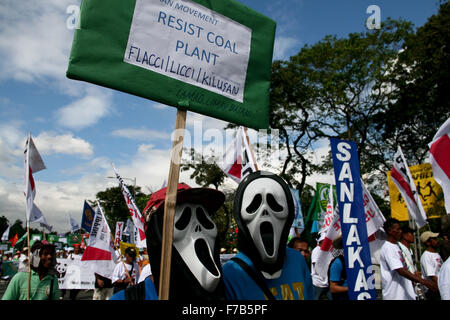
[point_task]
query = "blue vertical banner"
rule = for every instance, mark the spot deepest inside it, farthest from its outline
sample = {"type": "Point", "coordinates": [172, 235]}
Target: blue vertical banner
{"type": "Point", "coordinates": [87, 217]}
{"type": "Point", "coordinates": [360, 273]}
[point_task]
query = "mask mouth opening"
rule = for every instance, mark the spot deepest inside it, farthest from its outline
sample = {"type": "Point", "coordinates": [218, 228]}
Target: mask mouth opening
{"type": "Point", "coordinates": [267, 237]}
{"type": "Point", "coordinates": [203, 253]}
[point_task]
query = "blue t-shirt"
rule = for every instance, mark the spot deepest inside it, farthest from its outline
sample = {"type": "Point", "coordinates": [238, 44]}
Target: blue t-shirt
{"type": "Point", "coordinates": [336, 269]}
{"type": "Point", "coordinates": [150, 292]}
{"type": "Point", "coordinates": [294, 282]}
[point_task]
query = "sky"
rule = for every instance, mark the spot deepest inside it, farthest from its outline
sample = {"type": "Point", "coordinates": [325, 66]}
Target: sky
{"type": "Point", "coordinates": [81, 128]}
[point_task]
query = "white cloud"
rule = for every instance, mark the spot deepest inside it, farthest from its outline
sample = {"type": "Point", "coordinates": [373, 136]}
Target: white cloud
{"type": "Point", "coordinates": [12, 144]}
{"type": "Point", "coordinates": [140, 134]}
{"type": "Point", "coordinates": [86, 111]}
{"type": "Point", "coordinates": [34, 40]}
{"type": "Point", "coordinates": [50, 142]}
{"type": "Point", "coordinates": [284, 47]}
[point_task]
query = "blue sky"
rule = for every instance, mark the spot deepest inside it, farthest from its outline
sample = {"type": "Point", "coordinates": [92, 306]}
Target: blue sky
{"type": "Point", "coordinates": [80, 128]}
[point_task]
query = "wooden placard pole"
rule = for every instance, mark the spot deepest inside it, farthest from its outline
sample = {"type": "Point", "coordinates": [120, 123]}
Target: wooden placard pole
{"type": "Point", "coordinates": [170, 204]}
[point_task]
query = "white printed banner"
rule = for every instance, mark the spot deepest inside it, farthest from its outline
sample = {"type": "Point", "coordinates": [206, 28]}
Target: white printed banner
{"type": "Point", "coordinates": [191, 43]}
{"type": "Point", "coordinates": [73, 274]}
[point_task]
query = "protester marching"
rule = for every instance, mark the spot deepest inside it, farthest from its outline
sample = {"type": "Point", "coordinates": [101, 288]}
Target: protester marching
{"type": "Point", "coordinates": [267, 231]}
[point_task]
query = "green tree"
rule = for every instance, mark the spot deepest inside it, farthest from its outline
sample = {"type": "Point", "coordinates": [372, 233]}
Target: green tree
{"type": "Point", "coordinates": [205, 170]}
{"type": "Point", "coordinates": [420, 101]}
{"type": "Point", "coordinates": [114, 205]}
{"type": "Point", "coordinates": [4, 222]}
{"type": "Point", "coordinates": [336, 88]}
{"type": "Point", "coordinates": [17, 227]}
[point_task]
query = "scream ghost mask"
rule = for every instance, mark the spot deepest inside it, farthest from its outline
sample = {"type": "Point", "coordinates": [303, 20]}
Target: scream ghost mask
{"type": "Point", "coordinates": [264, 211]}
{"type": "Point", "coordinates": [196, 271]}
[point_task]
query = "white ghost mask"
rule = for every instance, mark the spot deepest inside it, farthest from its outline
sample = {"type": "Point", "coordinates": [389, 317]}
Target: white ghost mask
{"type": "Point", "coordinates": [194, 236]}
{"type": "Point", "coordinates": [264, 210]}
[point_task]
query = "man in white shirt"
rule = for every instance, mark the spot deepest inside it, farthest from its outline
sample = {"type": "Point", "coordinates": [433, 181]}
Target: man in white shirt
{"type": "Point", "coordinates": [126, 273]}
{"type": "Point", "coordinates": [320, 282]}
{"type": "Point", "coordinates": [431, 261]}
{"type": "Point", "coordinates": [395, 278]}
{"type": "Point", "coordinates": [405, 242]}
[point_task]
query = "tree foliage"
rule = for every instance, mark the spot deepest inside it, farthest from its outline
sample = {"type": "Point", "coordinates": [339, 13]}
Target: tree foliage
{"type": "Point", "coordinates": [205, 170]}
{"type": "Point", "coordinates": [420, 102]}
{"type": "Point", "coordinates": [114, 205]}
{"type": "Point", "coordinates": [335, 88]}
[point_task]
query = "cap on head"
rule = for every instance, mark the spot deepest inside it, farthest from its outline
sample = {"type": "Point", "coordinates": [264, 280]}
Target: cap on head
{"type": "Point", "coordinates": [427, 235]}
{"type": "Point", "coordinates": [131, 252]}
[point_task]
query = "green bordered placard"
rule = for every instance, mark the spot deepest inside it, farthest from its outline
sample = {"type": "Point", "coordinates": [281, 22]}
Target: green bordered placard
{"type": "Point", "coordinates": [211, 57]}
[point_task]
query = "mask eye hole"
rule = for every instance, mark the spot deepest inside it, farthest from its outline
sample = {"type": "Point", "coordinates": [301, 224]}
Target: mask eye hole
{"type": "Point", "coordinates": [184, 220]}
{"type": "Point", "coordinates": [203, 219]}
{"type": "Point", "coordinates": [273, 204]}
{"type": "Point", "coordinates": [254, 205]}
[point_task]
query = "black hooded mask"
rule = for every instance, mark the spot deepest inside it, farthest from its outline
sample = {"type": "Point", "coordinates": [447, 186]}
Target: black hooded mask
{"type": "Point", "coordinates": [264, 210]}
{"type": "Point", "coordinates": [196, 272]}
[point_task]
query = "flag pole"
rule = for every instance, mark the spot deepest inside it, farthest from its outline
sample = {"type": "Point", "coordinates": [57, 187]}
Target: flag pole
{"type": "Point", "coordinates": [27, 176]}
{"type": "Point", "coordinates": [170, 204]}
{"type": "Point", "coordinates": [29, 261]}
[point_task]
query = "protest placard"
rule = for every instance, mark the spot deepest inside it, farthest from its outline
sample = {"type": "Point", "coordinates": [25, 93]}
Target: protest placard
{"type": "Point", "coordinates": [211, 57]}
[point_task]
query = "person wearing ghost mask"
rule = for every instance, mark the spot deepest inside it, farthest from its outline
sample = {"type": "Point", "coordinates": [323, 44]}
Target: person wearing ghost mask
{"type": "Point", "coordinates": [196, 273]}
{"type": "Point", "coordinates": [263, 210]}
{"type": "Point", "coordinates": [43, 282]}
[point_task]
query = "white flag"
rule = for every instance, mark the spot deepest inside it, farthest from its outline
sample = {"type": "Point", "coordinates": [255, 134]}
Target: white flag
{"type": "Point", "coordinates": [237, 161]}
{"type": "Point", "coordinates": [99, 254]}
{"type": "Point", "coordinates": [374, 217]}
{"type": "Point", "coordinates": [402, 178]}
{"type": "Point", "coordinates": [74, 226]}
{"type": "Point", "coordinates": [440, 160]}
{"type": "Point", "coordinates": [5, 235]}
{"type": "Point", "coordinates": [37, 217]}
{"type": "Point", "coordinates": [32, 164]}
{"type": "Point", "coordinates": [135, 214]}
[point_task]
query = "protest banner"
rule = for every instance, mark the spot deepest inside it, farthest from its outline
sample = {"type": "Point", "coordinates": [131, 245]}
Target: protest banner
{"type": "Point", "coordinates": [211, 57]}
{"type": "Point", "coordinates": [358, 265]}
{"type": "Point", "coordinates": [426, 186]}
{"type": "Point", "coordinates": [118, 233]}
{"type": "Point", "coordinates": [73, 274]}
{"type": "Point", "coordinates": [63, 239]}
{"type": "Point", "coordinates": [52, 238]}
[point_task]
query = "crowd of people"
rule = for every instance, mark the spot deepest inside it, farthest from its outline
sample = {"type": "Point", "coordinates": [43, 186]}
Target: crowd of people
{"type": "Point", "coordinates": [266, 266]}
